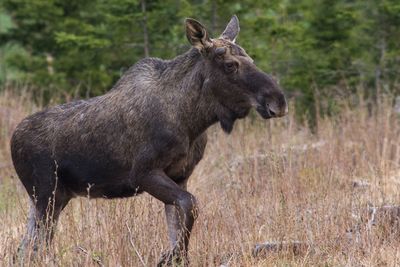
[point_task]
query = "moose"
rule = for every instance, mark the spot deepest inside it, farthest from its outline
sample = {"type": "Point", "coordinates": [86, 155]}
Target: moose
{"type": "Point", "coordinates": [146, 134]}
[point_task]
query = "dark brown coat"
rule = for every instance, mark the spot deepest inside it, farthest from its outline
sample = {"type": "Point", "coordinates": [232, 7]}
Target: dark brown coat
{"type": "Point", "coordinates": [146, 134]}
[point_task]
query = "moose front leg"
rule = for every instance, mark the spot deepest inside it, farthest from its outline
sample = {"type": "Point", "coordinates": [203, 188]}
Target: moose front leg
{"type": "Point", "coordinates": [178, 233]}
{"type": "Point", "coordinates": [174, 224]}
{"type": "Point", "coordinates": [180, 210]}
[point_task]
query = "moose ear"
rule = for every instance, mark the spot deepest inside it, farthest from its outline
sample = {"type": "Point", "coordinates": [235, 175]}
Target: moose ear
{"type": "Point", "coordinates": [197, 34]}
{"type": "Point", "coordinates": [232, 29]}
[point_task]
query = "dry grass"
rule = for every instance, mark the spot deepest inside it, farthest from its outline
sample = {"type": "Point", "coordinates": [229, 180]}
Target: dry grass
{"type": "Point", "coordinates": [268, 181]}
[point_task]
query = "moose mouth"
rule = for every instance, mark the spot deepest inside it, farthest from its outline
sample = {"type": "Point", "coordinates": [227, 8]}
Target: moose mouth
{"type": "Point", "coordinates": [263, 108]}
{"type": "Point", "coordinates": [272, 108]}
{"type": "Point", "coordinates": [265, 112]}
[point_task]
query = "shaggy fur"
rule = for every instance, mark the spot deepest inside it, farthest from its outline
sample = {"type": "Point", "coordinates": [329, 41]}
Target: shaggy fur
{"type": "Point", "coordinates": [146, 134]}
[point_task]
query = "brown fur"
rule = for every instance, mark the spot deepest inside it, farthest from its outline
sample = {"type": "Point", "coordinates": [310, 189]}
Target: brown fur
{"type": "Point", "coordinates": [146, 134]}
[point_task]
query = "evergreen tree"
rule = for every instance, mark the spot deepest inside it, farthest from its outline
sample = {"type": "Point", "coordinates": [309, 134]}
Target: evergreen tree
{"type": "Point", "coordinates": [317, 49]}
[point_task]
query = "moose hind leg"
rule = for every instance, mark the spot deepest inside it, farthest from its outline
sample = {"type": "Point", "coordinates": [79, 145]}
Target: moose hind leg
{"type": "Point", "coordinates": [42, 219]}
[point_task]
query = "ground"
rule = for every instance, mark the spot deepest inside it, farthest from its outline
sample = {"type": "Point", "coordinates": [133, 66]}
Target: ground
{"type": "Point", "coordinates": [268, 181]}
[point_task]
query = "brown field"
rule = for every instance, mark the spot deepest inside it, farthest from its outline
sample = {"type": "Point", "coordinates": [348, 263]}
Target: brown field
{"type": "Point", "coordinates": [267, 181]}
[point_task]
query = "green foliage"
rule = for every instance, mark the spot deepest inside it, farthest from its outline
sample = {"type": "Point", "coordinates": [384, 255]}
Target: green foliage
{"type": "Point", "coordinates": [324, 49]}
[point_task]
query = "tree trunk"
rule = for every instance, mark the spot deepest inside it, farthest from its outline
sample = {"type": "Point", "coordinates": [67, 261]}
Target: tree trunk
{"type": "Point", "coordinates": [213, 16]}
{"type": "Point", "coordinates": [145, 31]}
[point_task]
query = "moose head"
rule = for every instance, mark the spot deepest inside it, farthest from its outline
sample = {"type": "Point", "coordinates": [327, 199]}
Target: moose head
{"type": "Point", "coordinates": [235, 81]}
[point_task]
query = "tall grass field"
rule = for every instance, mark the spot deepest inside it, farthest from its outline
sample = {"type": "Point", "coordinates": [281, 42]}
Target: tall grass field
{"type": "Point", "coordinates": [269, 181]}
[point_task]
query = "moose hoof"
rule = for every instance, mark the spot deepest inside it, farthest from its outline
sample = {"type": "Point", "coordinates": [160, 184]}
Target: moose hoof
{"type": "Point", "coordinates": [170, 258]}
{"type": "Point", "coordinates": [25, 253]}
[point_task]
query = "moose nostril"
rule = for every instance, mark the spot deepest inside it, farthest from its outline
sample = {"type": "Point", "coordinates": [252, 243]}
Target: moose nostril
{"type": "Point", "coordinates": [273, 114]}
{"type": "Point", "coordinates": [271, 111]}
{"type": "Point", "coordinates": [277, 111]}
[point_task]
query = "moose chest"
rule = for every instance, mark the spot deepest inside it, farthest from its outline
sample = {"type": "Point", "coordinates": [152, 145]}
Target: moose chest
{"type": "Point", "coordinates": [178, 170]}
{"type": "Point", "coordinates": [182, 168]}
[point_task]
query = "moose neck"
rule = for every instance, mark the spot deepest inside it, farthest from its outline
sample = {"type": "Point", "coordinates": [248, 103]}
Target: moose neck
{"type": "Point", "coordinates": [196, 105]}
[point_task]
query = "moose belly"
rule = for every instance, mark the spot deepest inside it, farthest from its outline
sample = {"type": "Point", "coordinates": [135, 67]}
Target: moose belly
{"type": "Point", "coordinates": [95, 179]}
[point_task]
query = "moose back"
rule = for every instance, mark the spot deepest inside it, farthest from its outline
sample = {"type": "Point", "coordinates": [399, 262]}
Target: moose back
{"type": "Point", "coordinates": [146, 134]}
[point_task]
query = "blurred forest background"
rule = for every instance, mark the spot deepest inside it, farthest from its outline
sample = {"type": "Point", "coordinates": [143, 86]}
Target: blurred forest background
{"type": "Point", "coordinates": [325, 177]}
{"type": "Point", "coordinates": [321, 51]}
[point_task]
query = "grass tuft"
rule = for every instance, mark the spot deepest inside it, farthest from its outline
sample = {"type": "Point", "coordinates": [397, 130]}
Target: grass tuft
{"type": "Point", "coordinates": [269, 181]}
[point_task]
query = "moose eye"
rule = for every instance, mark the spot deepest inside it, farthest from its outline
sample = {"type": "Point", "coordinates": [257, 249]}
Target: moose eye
{"type": "Point", "coordinates": [230, 66]}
